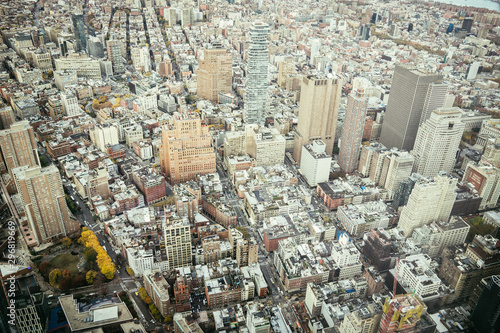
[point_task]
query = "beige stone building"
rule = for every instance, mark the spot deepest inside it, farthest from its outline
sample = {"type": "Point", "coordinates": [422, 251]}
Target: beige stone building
{"type": "Point", "coordinates": [186, 149]}
{"type": "Point", "coordinates": [44, 204]}
{"type": "Point", "coordinates": [215, 73]}
{"type": "Point", "coordinates": [318, 112]}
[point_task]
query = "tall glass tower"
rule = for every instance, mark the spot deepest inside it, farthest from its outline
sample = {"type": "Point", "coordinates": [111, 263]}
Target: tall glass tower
{"type": "Point", "coordinates": [79, 30]}
{"type": "Point", "coordinates": [257, 66]}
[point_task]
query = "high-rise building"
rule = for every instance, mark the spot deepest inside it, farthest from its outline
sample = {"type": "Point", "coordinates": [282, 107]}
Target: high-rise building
{"type": "Point", "coordinates": [315, 163]}
{"type": "Point", "coordinates": [141, 59]}
{"type": "Point", "coordinates": [95, 47]}
{"type": "Point", "coordinates": [405, 106]}
{"type": "Point", "coordinates": [257, 66]}
{"type": "Point", "coordinates": [104, 135]}
{"type": "Point", "coordinates": [285, 69]}
{"type": "Point", "coordinates": [157, 288]}
{"type": "Point", "coordinates": [353, 130]}
{"type": "Point", "coordinates": [18, 146]}
{"type": "Point", "coordinates": [437, 196]}
{"type": "Point", "coordinates": [485, 178]}
{"type": "Point", "coordinates": [55, 107]}
{"type": "Point", "coordinates": [318, 112]}
{"type": "Point", "coordinates": [186, 149]}
{"type": "Point", "coordinates": [486, 314]}
{"type": "Point", "coordinates": [467, 24]}
{"type": "Point", "coordinates": [79, 31]}
{"type": "Point", "coordinates": [437, 142]}
{"type": "Point", "coordinates": [70, 105]}
{"type": "Point", "coordinates": [437, 96]}
{"type": "Point", "coordinates": [265, 145]}
{"type": "Point", "coordinates": [182, 295]}
{"type": "Point", "coordinates": [43, 199]}
{"type": "Point", "coordinates": [115, 55]}
{"type": "Point", "coordinates": [215, 72]}
{"type": "Point", "coordinates": [7, 117]}
{"type": "Point", "coordinates": [177, 242]}
{"type": "Point", "coordinates": [315, 46]}
{"type": "Point", "coordinates": [396, 168]}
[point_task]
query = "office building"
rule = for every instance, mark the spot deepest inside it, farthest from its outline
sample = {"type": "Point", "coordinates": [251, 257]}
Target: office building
{"type": "Point", "coordinates": [464, 266]}
{"type": "Point", "coordinates": [114, 48]}
{"type": "Point", "coordinates": [472, 70]}
{"type": "Point", "coordinates": [186, 149]}
{"type": "Point", "coordinates": [352, 131]}
{"type": "Point", "coordinates": [396, 168]}
{"type": "Point", "coordinates": [215, 72]}
{"type": "Point", "coordinates": [467, 24]}
{"type": "Point", "coordinates": [405, 106]}
{"type": "Point", "coordinates": [42, 197]}
{"type": "Point", "coordinates": [255, 98]}
{"type": "Point", "coordinates": [286, 68]}
{"type": "Point", "coordinates": [95, 47]}
{"type": "Point", "coordinates": [315, 47]}
{"type": "Point", "coordinates": [436, 97]}
{"type": "Point", "coordinates": [437, 196]}
{"type": "Point", "coordinates": [85, 67]}
{"type": "Point", "coordinates": [318, 112]}
{"type": "Point", "coordinates": [486, 314]}
{"type": "Point", "coordinates": [177, 243]}
{"type": "Point", "coordinates": [485, 179]}
{"type": "Point", "coordinates": [315, 163]}
{"type": "Point", "coordinates": [79, 31]}
{"type": "Point", "coordinates": [18, 146]}
{"type": "Point", "coordinates": [437, 142]}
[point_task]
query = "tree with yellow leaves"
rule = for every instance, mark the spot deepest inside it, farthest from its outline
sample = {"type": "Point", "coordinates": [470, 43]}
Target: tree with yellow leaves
{"type": "Point", "coordinates": [54, 276]}
{"type": "Point", "coordinates": [90, 277]}
{"type": "Point", "coordinates": [66, 242]}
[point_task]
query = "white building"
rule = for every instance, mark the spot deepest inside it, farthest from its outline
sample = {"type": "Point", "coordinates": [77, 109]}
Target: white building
{"type": "Point", "coordinates": [70, 105]}
{"type": "Point", "coordinates": [437, 236]}
{"type": "Point", "coordinates": [257, 67]}
{"type": "Point", "coordinates": [485, 178]}
{"type": "Point", "coordinates": [141, 261]}
{"type": "Point", "coordinates": [358, 219]}
{"type": "Point", "coordinates": [472, 70]}
{"type": "Point", "coordinates": [396, 168]}
{"type": "Point", "coordinates": [103, 135]}
{"type": "Point", "coordinates": [315, 163]}
{"type": "Point", "coordinates": [437, 142]}
{"type": "Point", "coordinates": [346, 256]}
{"type": "Point", "coordinates": [85, 67]}
{"type": "Point", "coordinates": [267, 146]}
{"type": "Point", "coordinates": [429, 201]}
{"type": "Point", "coordinates": [133, 134]}
{"type": "Point", "coordinates": [141, 59]}
{"type": "Point", "coordinates": [257, 321]}
{"type": "Point", "coordinates": [64, 79]}
{"type": "Point", "coordinates": [415, 271]}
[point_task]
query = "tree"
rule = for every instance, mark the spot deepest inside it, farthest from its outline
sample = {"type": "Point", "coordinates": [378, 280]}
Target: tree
{"type": "Point", "coordinates": [78, 281]}
{"type": "Point", "coordinates": [148, 300]}
{"type": "Point", "coordinates": [66, 242]}
{"type": "Point", "coordinates": [44, 161]}
{"type": "Point", "coordinates": [99, 279]}
{"type": "Point", "coordinates": [54, 276]}
{"type": "Point", "coordinates": [65, 284]}
{"type": "Point", "coordinates": [45, 268]}
{"type": "Point", "coordinates": [90, 277]}
{"type": "Point", "coordinates": [65, 274]}
{"type": "Point", "coordinates": [169, 319]}
{"type": "Point", "coordinates": [143, 293]}
{"type": "Point", "coordinates": [108, 270]}
{"type": "Point", "coordinates": [130, 271]}
{"type": "Point", "coordinates": [90, 254]}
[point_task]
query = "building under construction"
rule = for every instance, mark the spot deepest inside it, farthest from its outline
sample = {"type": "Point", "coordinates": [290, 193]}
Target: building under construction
{"type": "Point", "coordinates": [402, 314]}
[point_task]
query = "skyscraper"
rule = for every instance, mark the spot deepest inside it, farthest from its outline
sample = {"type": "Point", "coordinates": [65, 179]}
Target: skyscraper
{"type": "Point", "coordinates": [79, 31]}
{"type": "Point", "coordinates": [114, 48]}
{"type": "Point", "coordinates": [42, 197]}
{"type": "Point", "coordinates": [215, 72]}
{"type": "Point", "coordinates": [177, 243]}
{"type": "Point", "coordinates": [186, 149]}
{"type": "Point", "coordinates": [486, 315]}
{"type": "Point", "coordinates": [404, 109]}
{"type": "Point", "coordinates": [18, 146]}
{"type": "Point", "coordinates": [353, 130]}
{"type": "Point", "coordinates": [436, 197]}
{"type": "Point", "coordinates": [6, 117]}
{"type": "Point", "coordinates": [318, 112]}
{"type": "Point", "coordinates": [437, 142]}
{"type": "Point", "coordinates": [257, 67]}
